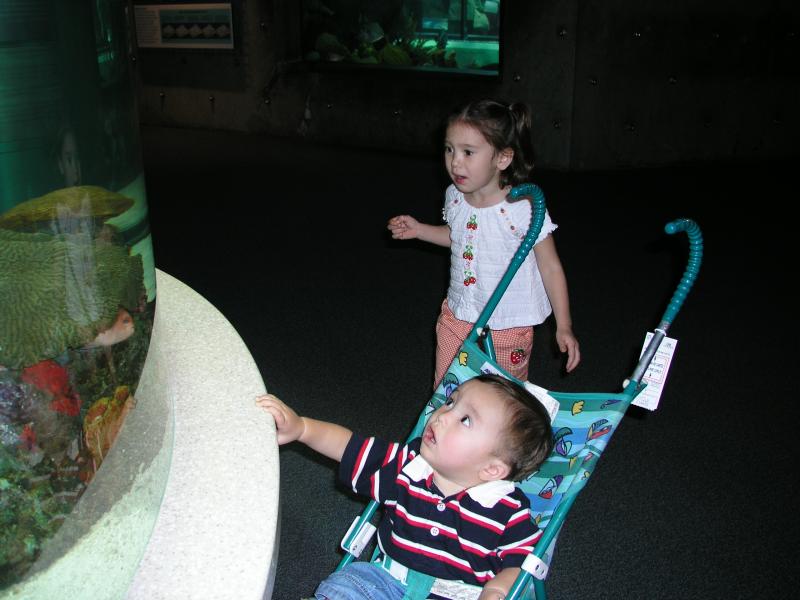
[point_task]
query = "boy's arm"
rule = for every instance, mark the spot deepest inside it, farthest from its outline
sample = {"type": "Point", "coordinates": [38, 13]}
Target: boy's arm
{"type": "Point", "coordinates": [555, 284]}
{"type": "Point", "coordinates": [497, 588]}
{"type": "Point", "coordinates": [405, 227]}
{"type": "Point", "coordinates": [326, 438]}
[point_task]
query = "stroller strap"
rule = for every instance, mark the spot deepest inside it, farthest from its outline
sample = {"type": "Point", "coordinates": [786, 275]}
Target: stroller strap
{"type": "Point", "coordinates": [419, 585]}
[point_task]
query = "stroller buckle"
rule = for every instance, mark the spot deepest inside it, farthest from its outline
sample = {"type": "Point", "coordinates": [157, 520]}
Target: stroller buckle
{"type": "Point", "coordinates": [535, 566]}
{"type": "Point", "coordinates": [360, 539]}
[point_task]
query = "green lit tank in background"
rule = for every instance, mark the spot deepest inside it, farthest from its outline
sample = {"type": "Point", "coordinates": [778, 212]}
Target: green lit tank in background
{"type": "Point", "coordinates": [77, 277]}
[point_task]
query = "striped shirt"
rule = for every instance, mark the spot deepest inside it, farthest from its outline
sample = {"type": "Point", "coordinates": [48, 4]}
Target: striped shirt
{"type": "Point", "coordinates": [469, 536]}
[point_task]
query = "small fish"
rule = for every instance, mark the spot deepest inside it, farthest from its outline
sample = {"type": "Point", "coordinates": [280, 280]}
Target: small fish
{"type": "Point", "coordinates": [28, 437]}
{"type": "Point", "coordinates": [120, 331]}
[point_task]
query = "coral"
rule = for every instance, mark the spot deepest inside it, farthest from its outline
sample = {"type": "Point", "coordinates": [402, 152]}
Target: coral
{"type": "Point", "coordinates": [59, 292]}
{"type": "Point", "coordinates": [40, 213]}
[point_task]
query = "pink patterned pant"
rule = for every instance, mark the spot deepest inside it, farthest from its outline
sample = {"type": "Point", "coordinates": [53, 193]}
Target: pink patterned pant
{"type": "Point", "coordinates": [512, 346]}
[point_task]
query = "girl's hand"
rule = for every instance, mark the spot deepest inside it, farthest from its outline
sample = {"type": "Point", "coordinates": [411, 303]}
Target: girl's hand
{"type": "Point", "coordinates": [289, 424]}
{"type": "Point", "coordinates": [403, 227]}
{"type": "Point", "coordinates": [567, 342]}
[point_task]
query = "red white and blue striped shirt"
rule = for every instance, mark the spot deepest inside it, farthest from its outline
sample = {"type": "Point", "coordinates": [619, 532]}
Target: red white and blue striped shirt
{"type": "Point", "coordinates": [469, 536]}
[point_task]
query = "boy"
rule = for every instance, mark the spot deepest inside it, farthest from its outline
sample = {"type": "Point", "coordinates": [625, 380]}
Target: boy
{"type": "Point", "coordinates": [451, 509]}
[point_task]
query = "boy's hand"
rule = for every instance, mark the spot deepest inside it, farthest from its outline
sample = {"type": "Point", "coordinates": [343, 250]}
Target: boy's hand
{"type": "Point", "coordinates": [403, 227]}
{"type": "Point", "coordinates": [289, 424]}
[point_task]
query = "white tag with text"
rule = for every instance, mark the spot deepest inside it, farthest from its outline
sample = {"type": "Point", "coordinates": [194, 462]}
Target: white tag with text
{"type": "Point", "coordinates": [656, 375]}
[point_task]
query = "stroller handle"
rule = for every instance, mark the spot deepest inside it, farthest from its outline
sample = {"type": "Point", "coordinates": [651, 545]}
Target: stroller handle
{"type": "Point", "coordinates": [684, 286]}
{"type": "Point", "coordinates": [692, 268]}
{"type": "Point", "coordinates": [535, 195]}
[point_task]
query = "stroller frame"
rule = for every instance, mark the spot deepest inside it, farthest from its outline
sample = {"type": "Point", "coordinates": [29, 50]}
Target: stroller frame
{"type": "Point", "coordinates": [582, 427]}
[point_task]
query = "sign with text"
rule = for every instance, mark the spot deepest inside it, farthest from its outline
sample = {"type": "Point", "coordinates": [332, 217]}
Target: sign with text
{"type": "Point", "coordinates": [199, 25]}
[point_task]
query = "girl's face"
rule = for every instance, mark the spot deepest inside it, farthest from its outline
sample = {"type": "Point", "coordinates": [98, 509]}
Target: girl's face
{"type": "Point", "coordinates": [473, 163]}
{"type": "Point", "coordinates": [461, 436]}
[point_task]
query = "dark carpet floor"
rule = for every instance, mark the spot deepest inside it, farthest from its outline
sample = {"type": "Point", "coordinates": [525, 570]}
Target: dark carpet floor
{"type": "Point", "coordinates": [694, 500]}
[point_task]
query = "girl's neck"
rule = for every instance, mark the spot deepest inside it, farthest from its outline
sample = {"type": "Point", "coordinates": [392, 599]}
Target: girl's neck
{"type": "Point", "coordinates": [482, 199]}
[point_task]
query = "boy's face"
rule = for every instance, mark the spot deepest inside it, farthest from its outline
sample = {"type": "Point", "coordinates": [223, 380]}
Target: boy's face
{"type": "Point", "coordinates": [461, 436]}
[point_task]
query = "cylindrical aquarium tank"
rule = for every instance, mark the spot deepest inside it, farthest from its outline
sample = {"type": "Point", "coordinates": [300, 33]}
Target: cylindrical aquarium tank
{"type": "Point", "coordinates": [77, 277]}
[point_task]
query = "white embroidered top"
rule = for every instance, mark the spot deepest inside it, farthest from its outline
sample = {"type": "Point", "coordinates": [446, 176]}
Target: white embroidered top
{"type": "Point", "coordinates": [482, 243]}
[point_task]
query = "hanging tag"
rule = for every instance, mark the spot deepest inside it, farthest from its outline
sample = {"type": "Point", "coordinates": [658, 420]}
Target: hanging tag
{"type": "Point", "coordinates": [656, 375]}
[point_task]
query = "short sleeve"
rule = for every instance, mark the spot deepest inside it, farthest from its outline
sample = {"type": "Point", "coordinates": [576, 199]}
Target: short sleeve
{"type": "Point", "coordinates": [518, 539]}
{"type": "Point", "coordinates": [450, 203]}
{"type": "Point", "coordinates": [521, 216]}
{"type": "Point", "coordinates": [369, 466]}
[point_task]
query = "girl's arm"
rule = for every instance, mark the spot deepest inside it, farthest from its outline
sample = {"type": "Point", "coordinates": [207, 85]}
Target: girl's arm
{"type": "Point", "coordinates": [406, 227]}
{"type": "Point", "coordinates": [555, 284]}
{"type": "Point", "coordinates": [326, 438]}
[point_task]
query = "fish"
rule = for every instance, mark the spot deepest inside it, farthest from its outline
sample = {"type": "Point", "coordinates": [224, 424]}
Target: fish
{"type": "Point", "coordinates": [120, 330]}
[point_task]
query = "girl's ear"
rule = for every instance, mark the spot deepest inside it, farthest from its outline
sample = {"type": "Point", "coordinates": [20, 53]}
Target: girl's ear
{"type": "Point", "coordinates": [494, 470]}
{"type": "Point", "coordinates": [504, 158]}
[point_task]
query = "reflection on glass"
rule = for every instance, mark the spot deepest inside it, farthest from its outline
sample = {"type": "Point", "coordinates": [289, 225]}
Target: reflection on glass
{"type": "Point", "coordinates": [77, 279]}
{"type": "Point", "coordinates": [449, 35]}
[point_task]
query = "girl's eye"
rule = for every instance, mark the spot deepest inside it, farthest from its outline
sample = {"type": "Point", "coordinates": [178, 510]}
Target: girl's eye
{"type": "Point", "coordinates": [466, 421]}
{"type": "Point", "coordinates": [449, 402]}
{"type": "Point", "coordinates": [468, 152]}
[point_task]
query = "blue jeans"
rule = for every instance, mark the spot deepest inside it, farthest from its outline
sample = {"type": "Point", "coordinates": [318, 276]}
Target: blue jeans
{"type": "Point", "coordinates": [360, 580]}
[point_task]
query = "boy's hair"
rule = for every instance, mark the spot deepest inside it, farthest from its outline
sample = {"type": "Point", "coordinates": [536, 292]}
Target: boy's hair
{"type": "Point", "coordinates": [504, 126]}
{"type": "Point", "coordinates": [528, 438]}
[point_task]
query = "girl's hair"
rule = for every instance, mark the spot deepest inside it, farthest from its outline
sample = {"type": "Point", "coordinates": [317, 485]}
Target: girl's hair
{"type": "Point", "coordinates": [528, 438]}
{"type": "Point", "coordinates": [504, 126]}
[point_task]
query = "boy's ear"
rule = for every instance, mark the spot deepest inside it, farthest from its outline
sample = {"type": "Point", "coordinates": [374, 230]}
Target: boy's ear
{"type": "Point", "coordinates": [504, 158]}
{"type": "Point", "coordinates": [494, 470]}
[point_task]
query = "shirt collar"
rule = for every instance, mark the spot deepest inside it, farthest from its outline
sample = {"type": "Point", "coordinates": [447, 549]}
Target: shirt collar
{"type": "Point", "coordinates": [486, 494]}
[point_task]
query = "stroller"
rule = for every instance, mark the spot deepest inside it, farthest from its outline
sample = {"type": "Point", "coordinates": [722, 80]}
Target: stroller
{"type": "Point", "coordinates": [582, 423]}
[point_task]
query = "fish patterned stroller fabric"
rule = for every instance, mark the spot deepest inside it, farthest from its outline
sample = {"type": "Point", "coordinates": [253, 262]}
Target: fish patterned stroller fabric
{"type": "Point", "coordinates": [582, 423]}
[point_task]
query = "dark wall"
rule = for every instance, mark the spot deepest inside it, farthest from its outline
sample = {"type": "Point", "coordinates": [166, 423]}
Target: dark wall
{"type": "Point", "coordinates": [613, 83]}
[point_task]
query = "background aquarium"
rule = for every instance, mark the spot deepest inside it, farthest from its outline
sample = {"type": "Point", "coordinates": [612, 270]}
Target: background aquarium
{"type": "Point", "coordinates": [458, 36]}
{"type": "Point", "coordinates": [77, 278]}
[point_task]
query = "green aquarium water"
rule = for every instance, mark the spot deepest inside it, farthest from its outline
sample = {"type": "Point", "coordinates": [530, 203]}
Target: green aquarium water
{"type": "Point", "coordinates": [77, 277]}
{"type": "Point", "coordinates": [445, 36]}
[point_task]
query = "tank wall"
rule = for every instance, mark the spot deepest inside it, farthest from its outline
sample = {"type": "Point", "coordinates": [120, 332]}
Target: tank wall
{"type": "Point", "coordinates": [612, 84]}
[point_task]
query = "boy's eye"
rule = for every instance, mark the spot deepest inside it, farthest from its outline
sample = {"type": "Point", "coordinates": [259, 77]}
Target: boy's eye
{"type": "Point", "coordinates": [466, 421]}
{"type": "Point", "coordinates": [468, 152]}
{"type": "Point", "coordinates": [449, 402]}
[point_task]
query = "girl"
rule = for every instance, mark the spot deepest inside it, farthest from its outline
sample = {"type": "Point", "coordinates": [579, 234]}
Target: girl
{"type": "Point", "coordinates": [487, 151]}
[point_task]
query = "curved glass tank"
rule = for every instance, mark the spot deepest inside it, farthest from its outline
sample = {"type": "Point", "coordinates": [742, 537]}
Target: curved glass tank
{"type": "Point", "coordinates": [77, 285]}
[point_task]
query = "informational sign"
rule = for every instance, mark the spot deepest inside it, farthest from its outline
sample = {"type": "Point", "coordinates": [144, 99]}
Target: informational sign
{"type": "Point", "coordinates": [208, 25]}
{"type": "Point", "coordinates": [656, 375]}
